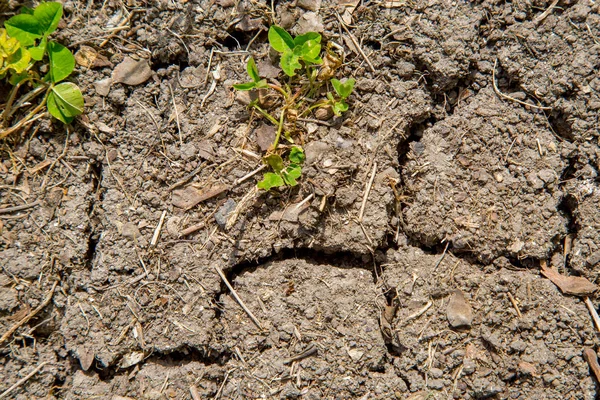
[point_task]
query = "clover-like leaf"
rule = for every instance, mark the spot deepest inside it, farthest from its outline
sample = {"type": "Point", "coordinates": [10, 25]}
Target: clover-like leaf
{"type": "Point", "coordinates": [290, 62]}
{"type": "Point", "coordinates": [339, 107]}
{"type": "Point", "coordinates": [343, 89]}
{"type": "Point", "coordinates": [297, 155]}
{"type": "Point", "coordinates": [62, 61]}
{"type": "Point", "coordinates": [18, 61]}
{"type": "Point", "coordinates": [291, 174]}
{"type": "Point", "coordinates": [37, 52]}
{"type": "Point", "coordinates": [25, 28]}
{"type": "Point", "coordinates": [310, 51]}
{"type": "Point", "coordinates": [280, 39]}
{"type": "Point", "coordinates": [65, 102]}
{"type": "Point", "coordinates": [48, 15]}
{"type": "Point", "coordinates": [312, 36]}
{"type": "Point", "coordinates": [274, 161]}
{"type": "Point", "coordinates": [270, 180]}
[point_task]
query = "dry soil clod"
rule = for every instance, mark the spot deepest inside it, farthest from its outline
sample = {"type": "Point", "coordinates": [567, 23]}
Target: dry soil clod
{"type": "Point", "coordinates": [459, 312]}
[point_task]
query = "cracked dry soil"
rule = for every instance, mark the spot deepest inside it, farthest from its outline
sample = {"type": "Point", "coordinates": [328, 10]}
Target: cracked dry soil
{"type": "Point", "coordinates": [471, 191]}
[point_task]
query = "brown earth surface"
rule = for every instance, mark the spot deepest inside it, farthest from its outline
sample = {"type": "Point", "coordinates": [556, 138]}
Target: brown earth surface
{"type": "Point", "coordinates": [481, 123]}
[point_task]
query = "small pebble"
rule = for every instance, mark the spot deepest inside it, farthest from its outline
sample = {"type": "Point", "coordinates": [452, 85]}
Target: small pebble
{"type": "Point", "coordinates": [459, 312]}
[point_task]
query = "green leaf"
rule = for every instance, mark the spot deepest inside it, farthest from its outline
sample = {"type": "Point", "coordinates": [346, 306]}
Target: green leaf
{"type": "Point", "coordinates": [37, 52]}
{"type": "Point", "coordinates": [252, 70]}
{"type": "Point", "coordinates": [290, 63]}
{"type": "Point", "coordinates": [340, 107]}
{"type": "Point", "coordinates": [270, 180]}
{"type": "Point", "coordinates": [65, 102]}
{"type": "Point", "coordinates": [292, 173]}
{"type": "Point", "coordinates": [25, 28]}
{"type": "Point", "coordinates": [8, 45]}
{"type": "Point", "coordinates": [49, 15]}
{"type": "Point", "coordinates": [280, 40]}
{"type": "Point", "coordinates": [262, 84]}
{"type": "Point", "coordinates": [245, 86]}
{"type": "Point", "coordinates": [312, 36]}
{"type": "Point", "coordinates": [343, 89]}
{"type": "Point", "coordinates": [18, 61]}
{"type": "Point", "coordinates": [297, 155]}
{"type": "Point", "coordinates": [310, 52]}
{"type": "Point", "coordinates": [15, 79]}
{"type": "Point", "coordinates": [274, 161]}
{"type": "Point", "coordinates": [26, 10]}
{"type": "Point", "coordinates": [62, 61]}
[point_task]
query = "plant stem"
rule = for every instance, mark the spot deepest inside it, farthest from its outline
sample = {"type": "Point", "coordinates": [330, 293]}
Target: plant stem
{"type": "Point", "coordinates": [281, 120]}
{"type": "Point", "coordinates": [32, 116]}
{"type": "Point", "coordinates": [280, 90]}
{"type": "Point", "coordinates": [265, 114]}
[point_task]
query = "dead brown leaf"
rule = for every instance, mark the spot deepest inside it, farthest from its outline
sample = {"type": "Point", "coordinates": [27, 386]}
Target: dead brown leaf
{"type": "Point", "coordinates": [189, 197]}
{"type": "Point", "coordinates": [575, 285]}
{"type": "Point", "coordinates": [592, 359]}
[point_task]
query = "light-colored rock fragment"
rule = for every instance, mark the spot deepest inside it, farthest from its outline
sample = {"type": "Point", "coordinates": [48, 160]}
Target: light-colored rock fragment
{"type": "Point", "coordinates": [459, 312]}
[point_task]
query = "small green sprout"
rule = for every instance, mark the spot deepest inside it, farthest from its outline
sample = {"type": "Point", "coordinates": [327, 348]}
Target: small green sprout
{"type": "Point", "coordinates": [256, 83]}
{"type": "Point", "coordinates": [302, 94]}
{"type": "Point", "coordinates": [283, 175]}
{"type": "Point", "coordinates": [306, 48]}
{"type": "Point", "coordinates": [343, 90]}
{"type": "Point", "coordinates": [24, 45]}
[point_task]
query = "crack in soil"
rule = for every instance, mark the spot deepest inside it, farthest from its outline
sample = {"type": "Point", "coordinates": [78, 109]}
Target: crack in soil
{"type": "Point", "coordinates": [95, 174]}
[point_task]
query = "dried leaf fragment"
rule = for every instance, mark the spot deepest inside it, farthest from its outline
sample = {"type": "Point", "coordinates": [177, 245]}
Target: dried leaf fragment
{"type": "Point", "coordinates": [459, 312]}
{"type": "Point", "coordinates": [575, 285]}
{"type": "Point", "coordinates": [131, 72]}
{"type": "Point", "coordinates": [189, 197]}
{"type": "Point", "coordinates": [592, 359]}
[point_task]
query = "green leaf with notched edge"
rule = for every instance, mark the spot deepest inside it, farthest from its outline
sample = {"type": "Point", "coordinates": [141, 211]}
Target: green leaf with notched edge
{"type": "Point", "coordinates": [310, 51]}
{"type": "Point", "coordinates": [48, 14]}
{"type": "Point", "coordinates": [297, 155]}
{"type": "Point", "coordinates": [270, 180]}
{"type": "Point", "coordinates": [252, 70]}
{"type": "Point", "coordinates": [65, 102]}
{"type": "Point", "coordinates": [312, 36]}
{"type": "Point", "coordinates": [343, 89]}
{"type": "Point", "coordinates": [62, 61]}
{"type": "Point", "coordinates": [274, 161]}
{"type": "Point", "coordinates": [340, 107]}
{"type": "Point", "coordinates": [37, 52]}
{"type": "Point", "coordinates": [25, 28]}
{"type": "Point", "coordinates": [290, 63]}
{"type": "Point", "coordinates": [18, 61]}
{"type": "Point", "coordinates": [291, 173]}
{"type": "Point", "coordinates": [245, 86]}
{"type": "Point", "coordinates": [280, 39]}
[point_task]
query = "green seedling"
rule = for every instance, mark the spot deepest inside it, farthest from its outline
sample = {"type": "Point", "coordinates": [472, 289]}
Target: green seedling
{"type": "Point", "coordinates": [305, 48]}
{"type": "Point", "coordinates": [29, 59]}
{"type": "Point", "coordinates": [256, 83]}
{"type": "Point", "coordinates": [343, 90]}
{"type": "Point", "coordinates": [283, 175]}
{"type": "Point", "coordinates": [306, 75]}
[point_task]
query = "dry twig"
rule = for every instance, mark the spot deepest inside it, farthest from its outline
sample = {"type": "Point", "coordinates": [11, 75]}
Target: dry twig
{"type": "Point", "coordinates": [593, 312]}
{"type": "Point", "coordinates": [507, 97]}
{"type": "Point", "coordinates": [238, 299]}
{"type": "Point", "coordinates": [23, 380]}
{"type": "Point", "coordinates": [355, 42]}
{"type": "Point", "coordinates": [367, 191]}
{"type": "Point", "coordinates": [32, 314]}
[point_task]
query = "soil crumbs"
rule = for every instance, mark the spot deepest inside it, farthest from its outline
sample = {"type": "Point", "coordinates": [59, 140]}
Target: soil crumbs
{"type": "Point", "coordinates": [480, 122]}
